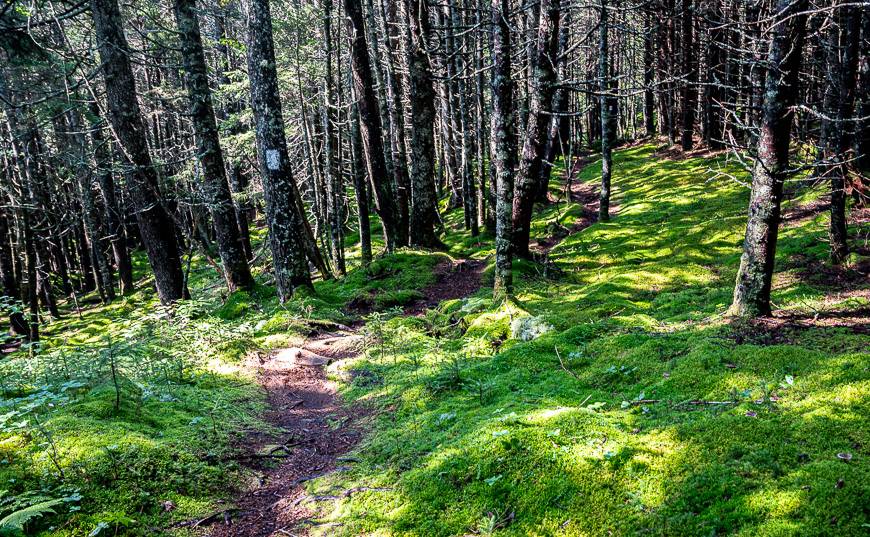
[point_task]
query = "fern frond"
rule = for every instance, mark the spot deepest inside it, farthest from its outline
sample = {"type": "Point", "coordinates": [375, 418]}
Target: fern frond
{"type": "Point", "coordinates": [18, 519]}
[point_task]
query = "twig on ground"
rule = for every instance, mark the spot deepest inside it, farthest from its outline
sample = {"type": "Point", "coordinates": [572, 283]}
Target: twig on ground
{"type": "Point", "coordinates": [561, 363]}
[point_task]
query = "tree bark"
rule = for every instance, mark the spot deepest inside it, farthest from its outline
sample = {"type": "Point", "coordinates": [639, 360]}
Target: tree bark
{"type": "Point", "coordinates": [155, 224]}
{"type": "Point", "coordinates": [842, 66]}
{"type": "Point", "coordinates": [557, 139]}
{"type": "Point", "coordinates": [423, 199]}
{"type": "Point", "coordinates": [754, 277]}
{"type": "Point", "coordinates": [690, 72]}
{"type": "Point", "coordinates": [371, 129]}
{"type": "Point", "coordinates": [215, 183]}
{"type": "Point", "coordinates": [117, 235]}
{"type": "Point", "coordinates": [334, 183]}
{"type": "Point", "coordinates": [285, 221]}
{"type": "Point", "coordinates": [504, 145]}
{"type": "Point", "coordinates": [361, 188]}
{"type": "Point", "coordinates": [605, 103]}
{"type": "Point", "coordinates": [529, 170]}
{"type": "Point", "coordinates": [84, 177]}
{"type": "Point", "coordinates": [651, 30]}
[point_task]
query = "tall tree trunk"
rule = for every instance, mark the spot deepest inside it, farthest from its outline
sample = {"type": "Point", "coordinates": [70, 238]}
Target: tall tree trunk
{"type": "Point", "coordinates": [117, 235]}
{"type": "Point", "coordinates": [842, 66]}
{"type": "Point", "coordinates": [208, 149]}
{"type": "Point", "coordinates": [715, 78]}
{"type": "Point", "coordinates": [333, 177]}
{"type": "Point", "coordinates": [372, 133]}
{"type": "Point", "coordinates": [238, 179]}
{"type": "Point", "coordinates": [557, 139]}
{"type": "Point", "coordinates": [529, 170]}
{"type": "Point", "coordinates": [504, 145]}
{"type": "Point", "coordinates": [155, 224]}
{"type": "Point", "coordinates": [396, 89]}
{"type": "Point", "coordinates": [752, 289]}
{"type": "Point", "coordinates": [862, 128]}
{"type": "Point", "coordinates": [604, 88]}
{"type": "Point", "coordinates": [690, 72]}
{"type": "Point", "coordinates": [17, 324]}
{"type": "Point", "coordinates": [421, 86]}
{"type": "Point", "coordinates": [361, 188]}
{"type": "Point", "coordinates": [285, 221]}
{"type": "Point", "coordinates": [650, 31]}
{"type": "Point", "coordinates": [79, 147]}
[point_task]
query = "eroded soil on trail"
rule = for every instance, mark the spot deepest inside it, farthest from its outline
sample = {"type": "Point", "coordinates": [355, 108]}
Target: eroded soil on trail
{"type": "Point", "coordinates": [315, 430]}
{"type": "Point", "coordinates": [453, 279]}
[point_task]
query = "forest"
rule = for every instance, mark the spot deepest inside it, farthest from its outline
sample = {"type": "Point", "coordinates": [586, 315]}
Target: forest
{"type": "Point", "coordinates": [435, 268]}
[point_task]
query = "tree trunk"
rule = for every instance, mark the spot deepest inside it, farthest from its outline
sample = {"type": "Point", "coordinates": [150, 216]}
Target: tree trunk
{"type": "Point", "coordinates": [17, 324]}
{"type": "Point", "coordinates": [372, 134]}
{"type": "Point", "coordinates": [752, 289]}
{"type": "Point", "coordinates": [361, 188]}
{"type": "Point", "coordinates": [529, 170]}
{"type": "Point", "coordinates": [842, 66]}
{"type": "Point", "coordinates": [423, 199]}
{"type": "Point", "coordinates": [285, 221]}
{"type": "Point", "coordinates": [604, 88]}
{"type": "Point", "coordinates": [557, 138]}
{"type": "Point", "coordinates": [334, 184]}
{"type": "Point", "coordinates": [114, 222]}
{"type": "Point", "coordinates": [155, 224]}
{"type": "Point", "coordinates": [651, 30]}
{"type": "Point", "coordinates": [77, 139]}
{"type": "Point", "coordinates": [503, 146]}
{"type": "Point", "coordinates": [690, 72]}
{"type": "Point", "coordinates": [215, 184]}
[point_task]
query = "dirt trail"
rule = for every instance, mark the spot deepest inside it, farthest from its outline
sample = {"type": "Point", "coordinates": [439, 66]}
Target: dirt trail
{"type": "Point", "coordinates": [453, 279]}
{"type": "Point", "coordinates": [316, 429]}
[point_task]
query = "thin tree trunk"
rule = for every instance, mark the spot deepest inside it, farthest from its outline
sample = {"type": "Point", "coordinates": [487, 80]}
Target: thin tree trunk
{"type": "Point", "coordinates": [529, 170]}
{"type": "Point", "coordinates": [372, 134]}
{"type": "Point", "coordinates": [651, 31]}
{"type": "Point", "coordinates": [421, 86]}
{"type": "Point", "coordinates": [114, 222]}
{"type": "Point", "coordinates": [105, 286]}
{"type": "Point", "coordinates": [690, 72]}
{"type": "Point", "coordinates": [215, 183]}
{"type": "Point", "coordinates": [604, 88]}
{"type": "Point", "coordinates": [361, 188]}
{"type": "Point", "coordinates": [333, 177]}
{"type": "Point", "coordinates": [503, 146]}
{"type": "Point", "coordinates": [842, 66]}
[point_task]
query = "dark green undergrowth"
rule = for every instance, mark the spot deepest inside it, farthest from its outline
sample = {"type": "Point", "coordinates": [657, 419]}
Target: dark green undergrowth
{"type": "Point", "coordinates": [613, 398]}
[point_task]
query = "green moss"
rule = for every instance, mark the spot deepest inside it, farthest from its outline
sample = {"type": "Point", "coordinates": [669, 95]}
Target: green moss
{"type": "Point", "coordinates": [620, 420]}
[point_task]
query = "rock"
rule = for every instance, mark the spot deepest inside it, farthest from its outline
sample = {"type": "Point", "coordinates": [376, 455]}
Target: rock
{"type": "Point", "coordinates": [295, 355]}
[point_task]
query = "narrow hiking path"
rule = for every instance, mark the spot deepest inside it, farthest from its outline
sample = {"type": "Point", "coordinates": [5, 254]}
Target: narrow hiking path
{"type": "Point", "coordinates": [316, 428]}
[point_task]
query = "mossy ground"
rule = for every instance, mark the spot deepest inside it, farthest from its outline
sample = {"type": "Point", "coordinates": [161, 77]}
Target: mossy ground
{"type": "Point", "coordinates": [485, 434]}
{"type": "Point", "coordinates": [480, 432]}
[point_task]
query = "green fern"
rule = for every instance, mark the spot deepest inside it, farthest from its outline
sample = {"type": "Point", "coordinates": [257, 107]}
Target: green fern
{"type": "Point", "coordinates": [16, 520]}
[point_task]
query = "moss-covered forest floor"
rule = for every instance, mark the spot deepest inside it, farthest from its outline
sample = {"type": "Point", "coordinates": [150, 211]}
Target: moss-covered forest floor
{"type": "Point", "coordinates": [609, 396]}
